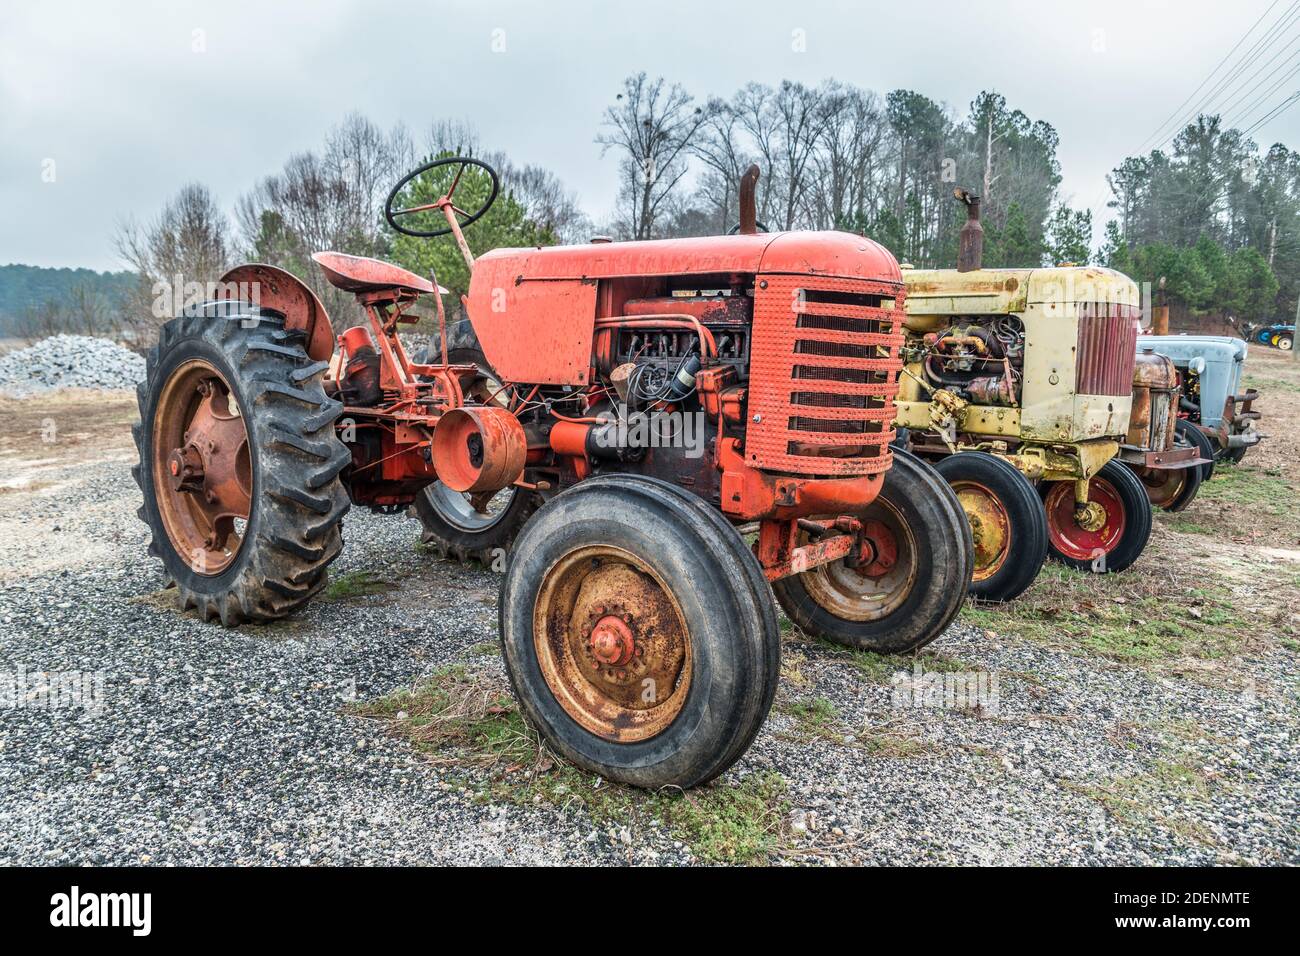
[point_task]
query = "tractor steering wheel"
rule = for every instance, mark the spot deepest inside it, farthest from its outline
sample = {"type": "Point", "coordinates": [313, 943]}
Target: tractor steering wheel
{"type": "Point", "coordinates": [736, 228]}
{"type": "Point", "coordinates": [445, 201]}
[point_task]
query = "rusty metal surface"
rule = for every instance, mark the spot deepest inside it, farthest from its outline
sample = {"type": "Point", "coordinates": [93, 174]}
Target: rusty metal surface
{"type": "Point", "coordinates": [823, 375]}
{"type": "Point", "coordinates": [590, 604]}
{"type": "Point", "coordinates": [990, 527]}
{"type": "Point", "coordinates": [970, 243]}
{"type": "Point", "coordinates": [1106, 348]}
{"type": "Point", "coordinates": [479, 448]}
{"type": "Point", "coordinates": [287, 294]}
{"type": "Point", "coordinates": [202, 468]}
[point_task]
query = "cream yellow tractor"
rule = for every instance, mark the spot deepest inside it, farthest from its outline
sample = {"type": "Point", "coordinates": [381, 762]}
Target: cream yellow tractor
{"type": "Point", "coordinates": [1018, 386]}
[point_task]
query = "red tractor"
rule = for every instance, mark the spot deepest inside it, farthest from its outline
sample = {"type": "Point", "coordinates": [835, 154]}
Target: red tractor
{"type": "Point", "coordinates": [636, 621]}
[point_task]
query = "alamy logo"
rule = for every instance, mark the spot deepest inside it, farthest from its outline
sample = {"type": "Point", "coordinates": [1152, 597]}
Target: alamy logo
{"type": "Point", "coordinates": [103, 909]}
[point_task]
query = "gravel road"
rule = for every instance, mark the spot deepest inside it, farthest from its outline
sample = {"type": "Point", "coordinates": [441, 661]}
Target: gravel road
{"type": "Point", "coordinates": [207, 746]}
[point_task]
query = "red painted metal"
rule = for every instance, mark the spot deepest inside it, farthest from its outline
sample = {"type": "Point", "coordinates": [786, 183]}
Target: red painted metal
{"type": "Point", "coordinates": [359, 274]}
{"type": "Point", "coordinates": [1077, 542]}
{"type": "Point", "coordinates": [1107, 347]}
{"type": "Point", "coordinates": [612, 641]}
{"type": "Point", "coordinates": [479, 448]}
{"type": "Point", "coordinates": [825, 363]}
{"type": "Point", "coordinates": [273, 288]}
{"type": "Point", "coordinates": [533, 309]}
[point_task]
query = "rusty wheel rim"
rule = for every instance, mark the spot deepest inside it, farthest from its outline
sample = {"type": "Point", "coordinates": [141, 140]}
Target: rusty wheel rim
{"type": "Point", "coordinates": [612, 643]}
{"type": "Point", "coordinates": [990, 527]}
{"type": "Point", "coordinates": [202, 469]}
{"type": "Point", "coordinates": [872, 592]}
{"type": "Point", "coordinates": [1163, 487]}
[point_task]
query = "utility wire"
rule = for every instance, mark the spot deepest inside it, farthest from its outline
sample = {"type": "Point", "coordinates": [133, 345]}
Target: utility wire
{"type": "Point", "coordinates": [1275, 112]}
{"type": "Point", "coordinates": [1258, 48]}
{"type": "Point", "coordinates": [1241, 118]}
{"type": "Point", "coordinates": [1179, 110]}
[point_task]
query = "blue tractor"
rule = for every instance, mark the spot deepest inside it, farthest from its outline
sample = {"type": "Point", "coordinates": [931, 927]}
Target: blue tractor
{"type": "Point", "coordinates": [1215, 412]}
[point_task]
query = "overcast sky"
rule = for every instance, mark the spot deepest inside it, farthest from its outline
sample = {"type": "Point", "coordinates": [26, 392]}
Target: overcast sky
{"type": "Point", "coordinates": [117, 95]}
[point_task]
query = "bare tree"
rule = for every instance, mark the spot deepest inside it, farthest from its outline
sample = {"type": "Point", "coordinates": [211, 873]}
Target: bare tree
{"type": "Point", "coordinates": [186, 244]}
{"type": "Point", "coordinates": [719, 146]}
{"type": "Point", "coordinates": [650, 127]}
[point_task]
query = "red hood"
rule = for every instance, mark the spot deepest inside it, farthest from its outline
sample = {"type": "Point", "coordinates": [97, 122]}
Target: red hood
{"type": "Point", "coordinates": [839, 254]}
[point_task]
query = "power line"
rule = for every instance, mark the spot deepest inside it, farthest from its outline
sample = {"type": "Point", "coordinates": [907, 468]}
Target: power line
{"type": "Point", "coordinates": [1224, 110]}
{"type": "Point", "coordinates": [1241, 118]}
{"type": "Point", "coordinates": [1178, 111]}
{"type": "Point", "coordinates": [1261, 45]}
{"type": "Point", "coordinates": [1275, 112]}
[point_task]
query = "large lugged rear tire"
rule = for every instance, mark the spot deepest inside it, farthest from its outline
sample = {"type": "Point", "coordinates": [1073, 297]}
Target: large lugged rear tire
{"type": "Point", "coordinates": [916, 601]}
{"type": "Point", "coordinates": [638, 633]}
{"type": "Point", "coordinates": [286, 473]}
{"type": "Point", "coordinates": [1123, 536]}
{"type": "Point", "coordinates": [1007, 522]}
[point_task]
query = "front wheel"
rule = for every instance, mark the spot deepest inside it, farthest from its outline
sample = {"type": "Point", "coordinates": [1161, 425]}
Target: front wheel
{"type": "Point", "coordinates": [1007, 522]}
{"type": "Point", "coordinates": [912, 602]}
{"type": "Point", "coordinates": [1111, 533]}
{"type": "Point", "coordinates": [638, 633]}
{"type": "Point", "coordinates": [1206, 447]}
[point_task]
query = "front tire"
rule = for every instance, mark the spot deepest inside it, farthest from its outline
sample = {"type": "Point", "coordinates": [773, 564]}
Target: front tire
{"type": "Point", "coordinates": [239, 464]}
{"type": "Point", "coordinates": [637, 633]}
{"type": "Point", "coordinates": [1125, 529]}
{"type": "Point", "coordinates": [1008, 524]}
{"type": "Point", "coordinates": [916, 600]}
{"type": "Point", "coordinates": [1205, 446]}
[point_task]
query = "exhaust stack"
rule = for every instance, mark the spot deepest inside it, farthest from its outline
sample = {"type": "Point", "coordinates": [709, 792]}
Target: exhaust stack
{"type": "Point", "coordinates": [748, 206]}
{"type": "Point", "coordinates": [970, 245]}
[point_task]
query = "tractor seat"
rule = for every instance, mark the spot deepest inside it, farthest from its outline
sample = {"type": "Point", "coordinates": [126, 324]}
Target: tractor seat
{"type": "Point", "coordinates": [359, 274]}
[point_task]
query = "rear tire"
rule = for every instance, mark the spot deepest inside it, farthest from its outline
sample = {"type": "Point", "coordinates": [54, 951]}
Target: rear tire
{"type": "Point", "coordinates": [296, 501]}
{"type": "Point", "coordinates": [933, 537]}
{"type": "Point", "coordinates": [635, 549]}
{"type": "Point", "coordinates": [1007, 520]}
{"type": "Point", "coordinates": [1123, 537]}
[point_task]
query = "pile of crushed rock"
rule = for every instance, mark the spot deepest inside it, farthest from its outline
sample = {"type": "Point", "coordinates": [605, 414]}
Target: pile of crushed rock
{"type": "Point", "coordinates": [69, 361]}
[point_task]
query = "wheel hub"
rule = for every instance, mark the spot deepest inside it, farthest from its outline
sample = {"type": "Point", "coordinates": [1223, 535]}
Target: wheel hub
{"type": "Point", "coordinates": [1090, 516]}
{"type": "Point", "coordinates": [202, 466]}
{"type": "Point", "coordinates": [990, 526]}
{"type": "Point", "coordinates": [612, 641]}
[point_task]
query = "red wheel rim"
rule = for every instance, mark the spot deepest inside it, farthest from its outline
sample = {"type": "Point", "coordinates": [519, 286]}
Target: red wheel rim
{"type": "Point", "coordinates": [1076, 542]}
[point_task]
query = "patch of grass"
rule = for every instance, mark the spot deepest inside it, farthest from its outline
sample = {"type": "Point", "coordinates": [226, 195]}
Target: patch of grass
{"type": "Point", "coordinates": [881, 668]}
{"type": "Point", "coordinates": [814, 718]}
{"type": "Point", "coordinates": [485, 649]}
{"type": "Point", "coordinates": [890, 743]}
{"type": "Point", "coordinates": [1175, 522]}
{"type": "Point", "coordinates": [467, 720]}
{"type": "Point", "coordinates": [355, 584]}
{"type": "Point", "coordinates": [1261, 489]}
{"type": "Point", "coordinates": [1177, 777]}
{"type": "Point", "coordinates": [1123, 619]}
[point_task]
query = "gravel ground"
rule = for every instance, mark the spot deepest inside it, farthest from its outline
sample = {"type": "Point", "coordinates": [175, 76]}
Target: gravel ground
{"type": "Point", "coordinates": [222, 747]}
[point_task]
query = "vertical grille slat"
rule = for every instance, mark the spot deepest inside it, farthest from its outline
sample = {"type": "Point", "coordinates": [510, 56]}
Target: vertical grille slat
{"type": "Point", "coordinates": [1107, 347]}
{"type": "Point", "coordinates": [824, 372]}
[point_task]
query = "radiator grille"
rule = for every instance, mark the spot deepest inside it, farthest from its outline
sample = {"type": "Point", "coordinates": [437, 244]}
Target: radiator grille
{"type": "Point", "coordinates": [1107, 348]}
{"type": "Point", "coordinates": [823, 376]}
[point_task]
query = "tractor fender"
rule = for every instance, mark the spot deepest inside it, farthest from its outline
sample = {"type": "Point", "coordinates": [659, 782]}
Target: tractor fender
{"type": "Point", "coordinates": [272, 288]}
